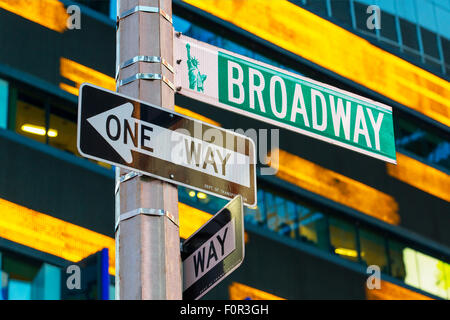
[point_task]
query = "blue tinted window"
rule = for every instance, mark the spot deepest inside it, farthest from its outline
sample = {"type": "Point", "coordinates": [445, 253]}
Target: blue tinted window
{"type": "Point", "coordinates": [406, 9]}
{"type": "Point", "coordinates": [3, 104]}
{"type": "Point", "coordinates": [100, 6]}
{"type": "Point", "coordinates": [113, 9]}
{"type": "Point", "coordinates": [443, 21]}
{"type": "Point", "coordinates": [385, 5]}
{"type": "Point", "coordinates": [19, 290]}
{"type": "Point", "coordinates": [425, 14]}
{"type": "Point", "coordinates": [313, 228]}
{"type": "Point", "coordinates": [422, 143]}
{"type": "Point", "coordinates": [298, 219]}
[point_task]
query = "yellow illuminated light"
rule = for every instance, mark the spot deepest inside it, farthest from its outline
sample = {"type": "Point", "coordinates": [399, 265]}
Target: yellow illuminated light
{"type": "Point", "coordinates": [191, 219]}
{"type": "Point", "coordinates": [79, 74]}
{"type": "Point", "coordinates": [336, 187]}
{"type": "Point", "coordinates": [421, 176]}
{"type": "Point", "coordinates": [346, 252]}
{"type": "Point", "coordinates": [195, 115]}
{"type": "Point", "coordinates": [48, 13]}
{"type": "Point", "coordinates": [191, 193]}
{"type": "Point", "coordinates": [239, 291]}
{"type": "Point", "coordinates": [69, 241]}
{"type": "Point", "coordinates": [30, 128]}
{"type": "Point", "coordinates": [390, 291]}
{"type": "Point", "coordinates": [69, 89]}
{"type": "Point", "coordinates": [201, 195]}
{"type": "Point", "coordinates": [51, 235]}
{"type": "Point", "coordinates": [334, 48]}
{"type": "Point", "coordinates": [52, 133]}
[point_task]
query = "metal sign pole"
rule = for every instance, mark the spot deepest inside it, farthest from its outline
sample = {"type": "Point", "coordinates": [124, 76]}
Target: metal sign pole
{"type": "Point", "coordinates": [147, 241]}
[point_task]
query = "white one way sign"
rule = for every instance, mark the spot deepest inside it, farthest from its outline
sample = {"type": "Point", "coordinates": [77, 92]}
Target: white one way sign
{"type": "Point", "coordinates": [128, 133]}
{"type": "Point", "coordinates": [213, 251]}
{"type": "Point", "coordinates": [217, 248]}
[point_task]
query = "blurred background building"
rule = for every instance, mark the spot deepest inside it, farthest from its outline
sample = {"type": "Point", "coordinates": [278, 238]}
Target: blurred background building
{"type": "Point", "coordinates": [326, 215]}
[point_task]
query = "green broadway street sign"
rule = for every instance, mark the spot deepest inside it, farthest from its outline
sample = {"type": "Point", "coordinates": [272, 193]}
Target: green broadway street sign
{"type": "Point", "coordinates": [283, 99]}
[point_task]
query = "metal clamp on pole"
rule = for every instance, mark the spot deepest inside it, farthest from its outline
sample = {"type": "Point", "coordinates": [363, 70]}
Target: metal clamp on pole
{"type": "Point", "coordinates": [145, 9]}
{"type": "Point", "coordinates": [146, 76]}
{"type": "Point", "coordinates": [125, 177]}
{"type": "Point", "coordinates": [145, 211]}
{"type": "Point", "coordinates": [149, 59]}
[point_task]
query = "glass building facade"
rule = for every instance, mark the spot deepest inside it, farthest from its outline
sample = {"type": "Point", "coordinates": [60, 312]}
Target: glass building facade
{"type": "Point", "coordinates": [325, 230]}
{"type": "Point", "coordinates": [417, 29]}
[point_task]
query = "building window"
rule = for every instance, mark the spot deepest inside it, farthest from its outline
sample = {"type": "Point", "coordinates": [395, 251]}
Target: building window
{"type": "Point", "coordinates": [289, 220]}
{"type": "Point", "coordinates": [202, 34]}
{"type": "Point", "coordinates": [430, 44]}
{"type": "Point", "coordinates": [297, 219]}
{"type": "Point", "coordinates": [3, 104]}
{"type": "Point", "coordinates": [64, 122]}
{"type": "Point", "coordinates": [45, 119]}
{"type": "Point", "coordinates": [313, 228]}
{"type": "Point", "coordinates": [102, 6]}
{"type": "Point", "coordinates": [319, 6]}
{"type": "Point", "coordinates": [388, 27]}
{"type": "Point", "coordinates": [388, 32]}
{"type": "Point", "coordinates": [113, 9]}
{"type": "Point", "coordinates": [361, 17]}
{"type": "Point", "coordinates": [24, 278]}
{"type": "Point", "coordinates": [47, 123]}
{"type": "Point", "coordinates": [373, 249]}
{"type": "Point", "coordinates": [409, 39]}
{"type": "Point", "coordinates": [446, 51]}
{"type": "Point", "coordinates": [419, 270]}
{"type": "Point", "coordinates": [275, 211]}
{"type": "Point", "coordinates": [432, 278]}
{"type": "Point", "coordinates": [403, 263]}
{"type": "Point", "coordinates": [341, 11]}
{"type": "Point", "coordinates": [343, 239]}
{"type": "Point", "coordinates": [30, 118]}
{"type": "Point", "coordinates": [426, 145]}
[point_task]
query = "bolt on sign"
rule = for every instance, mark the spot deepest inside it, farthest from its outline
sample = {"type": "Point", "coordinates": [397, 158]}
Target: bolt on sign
{"type": "Point", "coordinates": [284, 99]}
{"type": "Point", "coordinates": [160, 143]}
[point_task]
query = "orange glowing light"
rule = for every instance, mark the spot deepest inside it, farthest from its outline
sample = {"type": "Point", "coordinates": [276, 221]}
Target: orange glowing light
{"type": "Point", "coordinates": [69, 241]}
{"type": "Point", "coordinates": [48, 13]}
{"type": "Point", "coordinates": [239, 291]}
{"type": "Point", "coordinates": [51, 235]}
{"type": "Point", "coordinates": [337, 187]}
{"type": "Point", "coordinates": [195, 115]}
{"type": "Point", "coordinates": [421, 176]}
{"type": "Point", "coordinates": [79, 74]}
{"type": "Point", "coordinates": [191, 219]}
{"type": "Point", "coordinates": [390, 291]}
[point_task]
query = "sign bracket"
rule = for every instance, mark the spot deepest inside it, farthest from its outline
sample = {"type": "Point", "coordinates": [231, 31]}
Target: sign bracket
{"type": "Point", "coordinates": [130, 175]}
{"type": "Point", "coordinates": [145, 211]}
{"type": "Point", "coordinates": [146, 76]}
{"type": "Point", "coordinates": [149, 59]}
{"type": "Point", "coordinates": [145, 9]}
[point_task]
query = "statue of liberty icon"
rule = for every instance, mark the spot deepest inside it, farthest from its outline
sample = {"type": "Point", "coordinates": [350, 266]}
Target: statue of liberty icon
{"type": "Point", "coordinates": [196, 78]}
